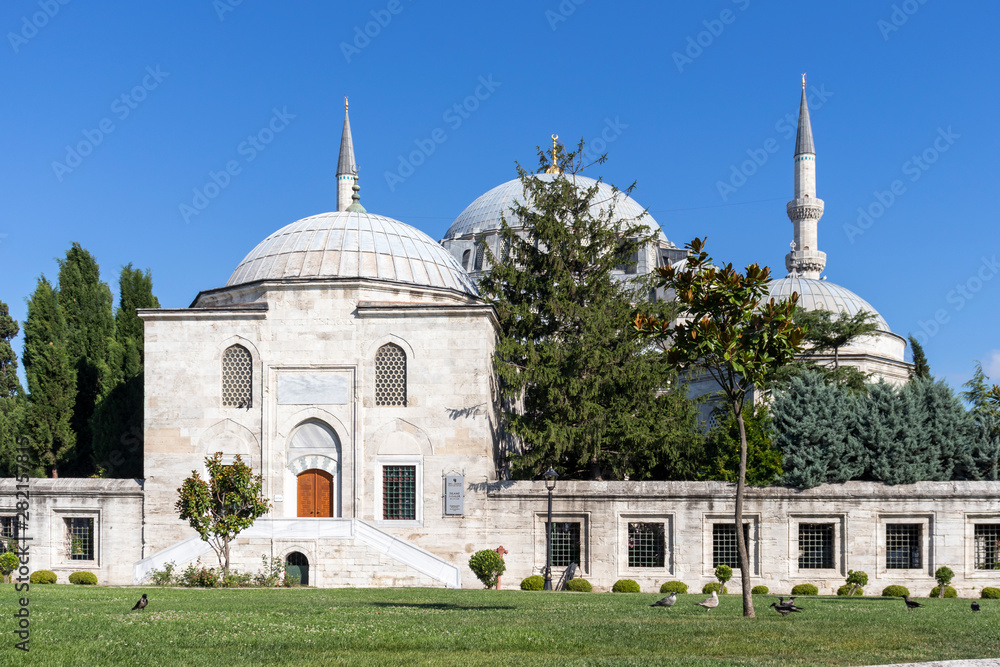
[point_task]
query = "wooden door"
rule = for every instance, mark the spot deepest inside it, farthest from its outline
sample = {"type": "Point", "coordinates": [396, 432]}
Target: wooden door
{"type": "Point", "coordinates": [315, 493]}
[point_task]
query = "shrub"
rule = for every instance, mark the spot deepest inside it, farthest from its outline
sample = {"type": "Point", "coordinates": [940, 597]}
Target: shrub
{"type": "Point", "coordinates": [625, 586]}
{"type": "Point", "coordinates": [488, 566]}
{"type": "Point", "coordinates": [43, 577]}
{"type": "Point", "coordinates": [272, 574]}
{"type": "Point", "coordinates": [237, 579]}
{"type": "Point", "coordinates": [895, 591]}
{"type": "Point", "coordinates": [857, 579]}
{"type": "Point", "coordinates": [944, 576]}
{"type": "Point", "coordinates": [949, 592]}
{"type": "Point", "coordinates": [847, 588]}
{"type": "Point", "coordinates": [990, 593]}
{"type": "Point", "coordinates": [164, 577]}
{"type": "Point", "coordinates": [805, 589]}
{"type": "Point", "coordinates": [579, 586]}
{"type": "Point", "coordinates": [197, 576]}
{"type": "Point", "coordinates": [535, 582]}
{"type": "Point", "coordinates": [674, 587]}
{"type": "Point", "coordinates": [714, 586]}
{"type": "Point", "coordinates": [83, 578]}
{"type": "Point", "coordinates": [8, 563]}
{"type": "Point", "coordinates": [759, 590]}
{"type": "Point", "coordinates": [723, 573]}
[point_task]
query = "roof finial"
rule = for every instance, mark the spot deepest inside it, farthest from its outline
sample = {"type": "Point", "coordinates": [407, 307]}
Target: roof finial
{"type": "Point", "coordinates": [803, 81]}
{"type": "Point", "coordinates": [554, 167]}
{"type": "Point", "coordinates": [356, 206]}
{"type": "Point", "coordinates": [345, 100]}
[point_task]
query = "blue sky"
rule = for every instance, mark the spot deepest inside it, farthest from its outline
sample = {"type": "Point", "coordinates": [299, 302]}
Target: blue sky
{"type": "Point", "coordinates": [117, 115]}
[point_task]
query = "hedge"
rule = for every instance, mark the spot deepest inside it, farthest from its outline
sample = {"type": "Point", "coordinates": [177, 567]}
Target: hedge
{"type": "Point", "coordinates": [895, 591]}
{"type": "Point", "coordinates": [678, 587]}
{"type": "Point", "coordinates": [43, 577]}
{"type": "Point", "coordinates": [83, 578]}
{"type": "Point", "coordinates": [626, 586]}
{"type": "Point", "coordinates": [579, 586]}
{"type": "Point", "coordinates": [535, 582]}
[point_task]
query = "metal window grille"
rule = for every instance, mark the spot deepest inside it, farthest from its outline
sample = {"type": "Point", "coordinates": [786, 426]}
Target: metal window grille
{"type": "Point", "coordinates": [646, 545]}
{"type": "Point", "coordinates": [987, 549]}
{"type": "Point", "coordinates": [390, 376]}
{"type": "Point", "coordinates": [902, 546]}
{"type": "Point", "coordinates": [399, 492]}
{"type": "Point", "coordinates": [816, 545]}
{"type": "Point", "coordinates": [480, 255]}
{"type": "Point", "coordinates": [565, 543]}
{"type": "Point", "coordinates": [9, 530]}
{"type": "Point", "coordinates": [237, 377]}
{"type": "Point", "coordinates": [81, 538]}
{"type": "Point", "coordinates": [724, 548]}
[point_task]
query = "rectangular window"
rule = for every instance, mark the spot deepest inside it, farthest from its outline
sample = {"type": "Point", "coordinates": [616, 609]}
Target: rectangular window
{"type": "Point", "coordinates": [565, 543]}
{"type": "Point", "coordinates": [399, 492]}
{"type": "Point", "coordinates": [816, 545]}
{"type": "Point", "coordinates": [987, 546]}
{"type": "Point", "coordinates": [646, 545]}
{"type": "Point", "coordinates": [902, 546]}
{"type": "Point", "coordinates": [81, 538]}
{"type": "Point", "coordinates": [724, 549]}
{"type": "Point", "coordinates": [9, 530]}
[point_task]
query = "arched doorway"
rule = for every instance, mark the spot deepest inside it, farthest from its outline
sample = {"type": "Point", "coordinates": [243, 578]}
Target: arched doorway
{"type": "Point", "coordinates": [297, 566]}
{"type": "Point", "coordinates": [315, 493]}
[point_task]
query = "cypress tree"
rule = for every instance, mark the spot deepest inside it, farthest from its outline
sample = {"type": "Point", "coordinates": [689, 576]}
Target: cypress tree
{"type": "Point", "coordinates": [11, 394]}
{"type": "Point", "coordinates": [886, 428]}
{"type": "Point", "coordinates": [985, 451]}
{"type": "Point", "coordinates": [920, 367]}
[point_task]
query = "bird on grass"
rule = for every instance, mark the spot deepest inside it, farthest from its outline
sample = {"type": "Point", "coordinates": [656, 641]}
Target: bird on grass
{"type": "Point", "coordinates": [785, 608]}
{"type": "Point", "coordinates": [709, 603]}
{"type": "Point", "coordinates": [975, 606]}
{"type": "Point", "coordinates": [666, 602]}
{"type": "Point", "coordinates": [911, 604]}
{"type": "Point", "coordinates": [141, 604]}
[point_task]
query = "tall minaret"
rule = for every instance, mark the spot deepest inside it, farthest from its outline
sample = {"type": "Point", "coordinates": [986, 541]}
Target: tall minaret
{"type": "Point", "coordinates": [347, 170]}
{"type": "Point", "coordinates": [806, 209]}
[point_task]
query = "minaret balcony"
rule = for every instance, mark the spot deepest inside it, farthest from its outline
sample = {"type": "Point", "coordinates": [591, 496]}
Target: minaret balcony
{"type": "Point", "coordinates": [805, 208]}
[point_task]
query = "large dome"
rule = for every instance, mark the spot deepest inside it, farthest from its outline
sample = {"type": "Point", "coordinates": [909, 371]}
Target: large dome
{"type": "Point", "coordinates": [483, 215]}
{"type": "Point", "coordinates": [350, 244]}
{"type": "Point", "coordinates": [824, 295]}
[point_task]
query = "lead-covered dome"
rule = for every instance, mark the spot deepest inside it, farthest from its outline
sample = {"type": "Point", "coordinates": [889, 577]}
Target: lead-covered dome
{"type": "Point", "coordinates": [353, 244]}
{"type": "Point", "coordinates": [824, 295]}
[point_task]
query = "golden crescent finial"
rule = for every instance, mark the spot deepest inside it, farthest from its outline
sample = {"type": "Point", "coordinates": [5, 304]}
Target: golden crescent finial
{"type": "Point", "coordinates": [803, 81]}
{"type": "Point", "coordinates": [345, 102]}
{"type": "Point", "coordinates": [554, 168]}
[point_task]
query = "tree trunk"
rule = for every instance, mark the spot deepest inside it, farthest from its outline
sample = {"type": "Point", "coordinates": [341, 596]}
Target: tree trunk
{"type": "Point", "coordinates": [225, 567]}
{"type": "Point", "coordinates": [741, 543]}
{"type": "Point", "coordinates": [595, 470]}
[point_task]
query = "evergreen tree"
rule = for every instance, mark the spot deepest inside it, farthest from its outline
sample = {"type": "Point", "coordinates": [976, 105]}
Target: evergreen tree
{"type": "Point", "coordinates": [977, 393]}
{"type": "Point", "coordinates": [943, 431]}
{"type": "Point", "coordinates": [51, 380]}
{"type": "Point", "coordinates": [825, 333]}
{"type": "Point", "coordinates": [722, 449]}
{"type": "Point", "coordinates": [920, 367]}
{"type": "Point", "coordinates": [11, 394]}
{"type": "Point", "coordinates": [886, 429]}
{"type": "Point", "coordinates": [985, 451]}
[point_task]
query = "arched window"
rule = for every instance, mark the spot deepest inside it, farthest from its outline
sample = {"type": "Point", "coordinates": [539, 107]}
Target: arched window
{"type": "Point", "coordinates": [465, 259]}
{"type": "Point", "coordinates": [237, 378]}
{"type": "Point", "coordinates": [390, 376]}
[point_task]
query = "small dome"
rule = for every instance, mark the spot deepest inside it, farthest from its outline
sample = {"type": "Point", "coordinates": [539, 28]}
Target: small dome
{"type": "Point", "coordinates": [824, 295]}
{"type": "Point", "coordinates": [483, 215]}
{"type": "Point", "coordinates": [353, 244]}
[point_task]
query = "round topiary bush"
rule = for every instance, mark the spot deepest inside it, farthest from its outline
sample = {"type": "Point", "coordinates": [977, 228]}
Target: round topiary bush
{"type": "Point", "coordinates": [579, 586]}
{"type": "Point", "coordinates": [43, 577]}
{"type": "Point", "coordinates": [846, 589]}
{"type": "Point", "coordinates": [714, 586]}
{"type": "Point", "coordinates": [805, 589]}
{"type": "Point", "coordinates": [949, 592]}
{"type": "Point", "coordinates": [8, 563]}
{"type": "Point", "coordinates": [895, 591]}
{"type": "Point", "coordinates": [678, 587]}
{"type": "Point", "coordinates": [83, 578]}
{"type": "Point", "coordinates": [625, 586]}
{"type": "Point", "coordinates": [535, 582]}
{"type": "Point", "coordinates": [759, 590]}
{"type": "Point", "coordinates": [488, 565]}
{"type": "Point", "coordinates": [990, 593]}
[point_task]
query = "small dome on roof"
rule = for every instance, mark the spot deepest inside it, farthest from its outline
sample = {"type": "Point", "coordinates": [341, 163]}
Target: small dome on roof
{"type": "Point", "coordinates": [824, 295]}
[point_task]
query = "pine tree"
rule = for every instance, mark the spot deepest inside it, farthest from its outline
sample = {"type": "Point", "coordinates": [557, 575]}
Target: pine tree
{"type": "Point", "coordinates": [920, 367]}
{"type": "Point", "coordinates": [722, 449]}
{"type": "Point", "coordinates": [826, 332]}
{"type": "Point", "coordinates": [11, 394]}
{"type": "Point", "coordinates": [886, 428]}
{"type": "Point", "coordinates": [985, 451]}
{"type": "Point", "coordinates": [51, 380]}
{"type": "Point", "coordinates": [943, 431]}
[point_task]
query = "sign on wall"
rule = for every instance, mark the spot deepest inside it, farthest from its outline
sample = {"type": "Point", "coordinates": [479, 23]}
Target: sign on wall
{"type": "Point", "coordinates": [326, 389]}
{"type": "Point", "coordinates": [454, 495]}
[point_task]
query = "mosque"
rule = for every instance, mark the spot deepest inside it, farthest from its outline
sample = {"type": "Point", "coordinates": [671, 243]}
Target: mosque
{"type": "Point", "coordinates": [348, 360]}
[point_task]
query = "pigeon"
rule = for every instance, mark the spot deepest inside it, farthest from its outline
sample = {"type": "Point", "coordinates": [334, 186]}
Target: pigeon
{"type": "Point", "coordinates": [666, 602]}
{"type": "Point", "coordinates": [141, 604]}
{"type": "Point", "coordinates": [911, 604]}
{"type": "Point", "coordinates": [975, 606]}
{"type": "Point", "coordinates": [784, 609]}
{"type": "Point", "coordinates": [709, 603]}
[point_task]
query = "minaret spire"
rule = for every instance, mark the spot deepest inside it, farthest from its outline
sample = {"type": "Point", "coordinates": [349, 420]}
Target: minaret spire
{"type": "Point", "coordinates": [347, 169]}
{"type": "Point", "coordinates": [805, 209]}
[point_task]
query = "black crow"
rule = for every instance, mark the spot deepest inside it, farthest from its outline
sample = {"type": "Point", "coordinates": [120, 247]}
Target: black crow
{"type": "Point", "coordinates": [141, 604]}
{"type": "Point", "coordinates": [666, 602]}
{"type": "Point", "coordinates": [911, 604]}
{"type": "Point", "coordinates": [975, 606]}
{"type": "Point", "coordinates": [784, 609]}
{"type": "Point", "coordinates": [709, 603]}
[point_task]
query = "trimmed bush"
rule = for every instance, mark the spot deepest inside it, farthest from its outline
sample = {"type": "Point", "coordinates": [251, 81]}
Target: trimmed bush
{"type": "Point", "coordinates": [846, 590]}
{"type": "Point", "coordinates": [895, 591]}
{"type": "Point", "coordinates": [535, 582]}
{"type": "Point", "coordinates": [990, 593]}
{"type": "Point", "coordinates": [678, 587]}
{"type": "Point", "coordinates": [83, 578]}
{"type": "Point", "coordinates": [858, 578]}
{"type": "Point", "coordinates": [714, 586]}
{"type": "Point", "coordinates": [8, 563]}
{"type": "Point", "coordinates": [944, 576]}
{"type": "Point", "coordinates": [43, 577]}
{"type": "Point", "coordinates": [949, 592]}
{"type": "Point", "coordinates": [625, 586]}
{"type": "Point", "coordinates": [759, 590]}
{"type": "Point", "coordinates": [805, 589]}
{"type": "Point", "coordinates": [488, 565]}
{"type": "Point", "coordinates": [579, 586]}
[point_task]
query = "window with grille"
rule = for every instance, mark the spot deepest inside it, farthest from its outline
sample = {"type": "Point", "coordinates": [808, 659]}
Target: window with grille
{"type": "Point", "coordinates": [390, 376]}
{"type": "Point", "coordinates": [480, 255]}
{"type": "Point", "coordinates": [816, 545]}
{"type": "Point", "coordinates": [237, 377]}
{"type": "Point", "coordinates": [646, 545]}
{"type": "Point", "coordinates": [399, 492]}
{"type": "Point", "coordinates": [724, 548]}
{"type": "Point", "coordinates": [902, 546]}
{"type": "Point", "coordinates": [9, 530]}
{"type": "Point", "coordinates": [987, 546]}
{"type": "Point", "coordinates": [565, 543]}
{"type": "Point", "coordinates": [81, 538]}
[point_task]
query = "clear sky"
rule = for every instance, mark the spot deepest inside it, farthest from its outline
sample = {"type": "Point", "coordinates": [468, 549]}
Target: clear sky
{"type": "Point", "coordinates": [116, 116]}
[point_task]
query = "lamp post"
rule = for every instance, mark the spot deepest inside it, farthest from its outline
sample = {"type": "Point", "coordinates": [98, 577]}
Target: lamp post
{"type": "Point", "coordinates": [550, 483]}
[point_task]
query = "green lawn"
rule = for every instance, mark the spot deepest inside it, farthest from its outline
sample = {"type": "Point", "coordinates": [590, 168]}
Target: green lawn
{"type": "Point", "coordinates": [82, 625]}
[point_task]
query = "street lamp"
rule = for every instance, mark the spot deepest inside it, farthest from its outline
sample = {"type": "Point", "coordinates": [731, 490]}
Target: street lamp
{"type": "Point", "coordinates": [550, 483]}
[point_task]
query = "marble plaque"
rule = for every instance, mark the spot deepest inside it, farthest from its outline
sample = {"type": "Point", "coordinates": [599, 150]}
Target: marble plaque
{"type": "Point", "coordinates": [327, 389]}
{"type": "Point", "coordinates": [454, 495]}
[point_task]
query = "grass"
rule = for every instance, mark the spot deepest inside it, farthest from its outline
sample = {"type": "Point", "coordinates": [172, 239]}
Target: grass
{"type": "Point", "coordinates": [87, 625]}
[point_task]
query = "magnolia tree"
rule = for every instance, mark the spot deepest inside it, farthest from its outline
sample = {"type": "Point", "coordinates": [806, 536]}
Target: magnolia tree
{"type": "Point", "coordinates": [223, 506]}
{"type": "Point", "coordinates": [729, 331]}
